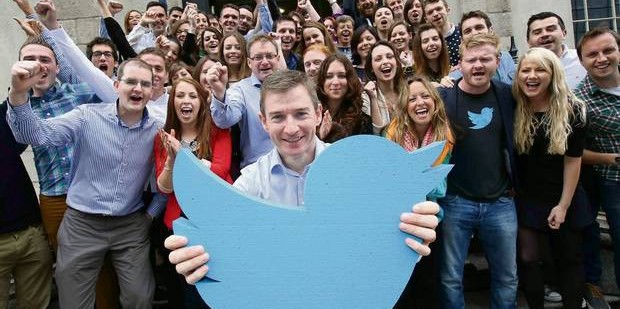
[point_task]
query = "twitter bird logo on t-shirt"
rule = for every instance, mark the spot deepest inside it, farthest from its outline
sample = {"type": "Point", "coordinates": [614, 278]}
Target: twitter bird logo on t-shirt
{"type": "Point", "coordinates": [481, 120]}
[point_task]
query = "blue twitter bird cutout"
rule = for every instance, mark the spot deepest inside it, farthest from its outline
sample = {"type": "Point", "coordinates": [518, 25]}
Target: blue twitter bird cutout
{"type": "Point", "coordinates": [343, 249]}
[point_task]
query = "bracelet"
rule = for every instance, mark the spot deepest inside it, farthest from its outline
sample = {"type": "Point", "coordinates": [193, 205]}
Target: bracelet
{"type": "Point", "coordinates": [332, 2]}
{"type": "Point", "coordinates": [167, 168]}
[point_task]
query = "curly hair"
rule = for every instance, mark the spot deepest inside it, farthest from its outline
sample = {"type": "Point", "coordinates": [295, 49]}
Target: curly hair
{"type": "Point", "coordinates": [402, 123]}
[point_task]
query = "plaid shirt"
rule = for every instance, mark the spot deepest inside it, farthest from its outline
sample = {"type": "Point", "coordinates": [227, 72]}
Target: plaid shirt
{"type": "Point", "coordinates": [53, 163]}
{"type": "Point", "coordinates": [603, 124]}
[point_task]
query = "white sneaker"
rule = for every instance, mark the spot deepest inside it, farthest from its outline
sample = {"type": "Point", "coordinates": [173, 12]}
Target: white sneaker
{"type": "Point", "coordinates": [552, 296]}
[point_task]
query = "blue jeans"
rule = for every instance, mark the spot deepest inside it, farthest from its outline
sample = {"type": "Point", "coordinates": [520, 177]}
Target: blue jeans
{"type": "Point", "coordinates": [610, 202]}
{"type": "Point", "coordinates": [496, 223]}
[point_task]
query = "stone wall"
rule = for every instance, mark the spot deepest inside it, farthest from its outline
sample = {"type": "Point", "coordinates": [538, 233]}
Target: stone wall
{"type": "Point", "coordinates": [80, 18]}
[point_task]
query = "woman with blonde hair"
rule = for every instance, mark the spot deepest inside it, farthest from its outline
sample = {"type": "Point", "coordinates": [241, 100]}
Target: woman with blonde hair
{"type": "Point", "coordinates": [132, 18]}
{"type": "Point", "coordinates": [549, 137]}
{"type": "Point", "coordinates": [420, 120]}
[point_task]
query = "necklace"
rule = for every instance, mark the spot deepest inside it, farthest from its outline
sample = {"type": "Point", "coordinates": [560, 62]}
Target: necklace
{"type": "Point", "coordinates": [192, 145]}
{"type": "Point", "coordinates": [540, 119]}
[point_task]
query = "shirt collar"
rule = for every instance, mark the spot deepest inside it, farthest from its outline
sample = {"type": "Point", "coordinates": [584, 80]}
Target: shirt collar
{"type": "Point", "coordinates": [255, 81]}
{"type": "Point", "coordinates": [275, 161]}
{"type": "Point", "coordinates": [112, 111]}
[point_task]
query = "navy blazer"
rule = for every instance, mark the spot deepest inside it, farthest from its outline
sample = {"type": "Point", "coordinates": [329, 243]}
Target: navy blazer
{"type": "Point", "coordinates": [506, 104]}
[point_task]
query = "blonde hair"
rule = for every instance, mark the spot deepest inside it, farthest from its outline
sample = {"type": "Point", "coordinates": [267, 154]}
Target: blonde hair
{"type": "Point", "coordinates": [480, 40]}
{"type": "Point", "coordinates": [564, 107]}
{"type": "Point", "coordinates": [402, 123]}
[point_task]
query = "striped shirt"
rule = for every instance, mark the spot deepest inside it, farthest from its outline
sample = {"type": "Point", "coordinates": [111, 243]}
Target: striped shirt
{"type": "Point", "coordinates": [603, 124]}
{"type": "Point", "coordinates": [112, 161]}
{"type": "Point", "coordinates": [53, 163]}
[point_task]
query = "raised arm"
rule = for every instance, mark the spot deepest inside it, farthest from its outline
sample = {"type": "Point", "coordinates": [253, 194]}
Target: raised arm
{"type": "Point", "coordinates": [100, 83]}
{"type": "Point", "coordinates": [307, 6]}
{"type": "Point", "coordinates": [26, 126]}
{"type": "Point", "coordinates": [264, 17]}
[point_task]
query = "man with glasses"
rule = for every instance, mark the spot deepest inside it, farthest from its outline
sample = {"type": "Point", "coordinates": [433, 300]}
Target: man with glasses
{"type": "Point", "coordinates": [240, 103]}
{"type": "Point", "coordinates": [105, 215]}
{"type": "Point", "coordinates": [103, 54]}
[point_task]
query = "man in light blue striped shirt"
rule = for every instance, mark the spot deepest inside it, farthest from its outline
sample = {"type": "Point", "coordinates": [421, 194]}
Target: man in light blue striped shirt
{"type": "Point", "coordinates": [113, 145]}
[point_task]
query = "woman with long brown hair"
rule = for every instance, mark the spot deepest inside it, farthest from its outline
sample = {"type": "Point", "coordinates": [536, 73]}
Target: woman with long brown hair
{"type": "Point", "coordinates": [430, 54]}
{"type": "Point", "coordinates": [387, 84]}
{"type": "Point", "coordinates": [188, 125]}
{"type": "Point", "coordinates": [340, 93]}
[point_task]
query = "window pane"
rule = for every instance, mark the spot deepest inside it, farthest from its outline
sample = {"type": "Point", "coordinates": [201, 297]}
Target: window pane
{"type": "Point", "coordinates": [599, 8]}
{"type": "Point", "coordinates": [579, 30]}
{"type": "Point", "coordinates": [578, 11]}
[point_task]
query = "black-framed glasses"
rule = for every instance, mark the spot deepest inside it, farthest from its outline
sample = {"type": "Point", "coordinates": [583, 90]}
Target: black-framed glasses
{"type": "Point", "coordinates": [107, 54]}
{"type": "Point", "coordinates": [260, 57]}
{"type": "Point", "coordinates": [134, 82]}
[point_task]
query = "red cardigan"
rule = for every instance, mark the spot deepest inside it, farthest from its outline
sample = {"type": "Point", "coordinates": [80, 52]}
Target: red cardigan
{"type": "Point", "coordinates": [221, 144]}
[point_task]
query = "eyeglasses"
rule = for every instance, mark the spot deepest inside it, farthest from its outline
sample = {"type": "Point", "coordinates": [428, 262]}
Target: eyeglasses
{"type": "Point", "coordinates": [134, 82]}
{"type": "Point", "coordinates": [260, 57]}
{"type": "Point", "coordinates": [106, 54]}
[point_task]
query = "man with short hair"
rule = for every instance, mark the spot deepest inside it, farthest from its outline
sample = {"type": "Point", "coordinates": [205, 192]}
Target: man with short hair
{"type": "Point", "coordinates": [547, 30]}
{"type": "Point", "coordinates": [285, 30]}
{"type": "Point", "coordinates": [476, 22]}
{"type": "Point", "coordinates": [246, 19]}
{"type": "Point", "coordinates": [152, 25]}
{"type": "Point", "coordinates": [478, 197]}
{"type": "Point", "coordinates": [365, 12]}
{"type": "Point", "coordinates": [229, 18]}
{"type": "Point", "coordinates": [599, 53]}
{"type": "Point", "coordinates": [397, 9]}
{"type": "Point", "coordinates": [239, 104]}
{"type": "Point", "coordinates": [436, 13]}
{"type": "Point", "coordinates": [103, 54]}
{"type": "Point", "coordinates": [158, 101]}
{"type": "Point", "coordinates": [290, 110]}
{"type": "Point", "coordinates": [344, 34]}
{"type": "Point", "coordinates": [174, 14]}
{"type": "Point", "coordinates": [105, 213]}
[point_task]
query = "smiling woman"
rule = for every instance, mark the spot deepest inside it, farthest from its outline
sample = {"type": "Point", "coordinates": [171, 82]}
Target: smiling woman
{"type": "Point", "coordinates": [430, 53]}
{"type": "Point", "coordinates": [552, 208]}
{"type": "Point", "coordinates": [188, 125]}
{"type": "Point", "coordinates": [340, 93]}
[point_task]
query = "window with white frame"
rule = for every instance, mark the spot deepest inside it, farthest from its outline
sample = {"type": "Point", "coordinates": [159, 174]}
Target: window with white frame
{"type": "Point", "coordinates": [588, 14]}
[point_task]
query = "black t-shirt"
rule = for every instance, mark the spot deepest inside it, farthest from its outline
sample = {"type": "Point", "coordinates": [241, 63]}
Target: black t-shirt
{"type": "Point", "coordinates": [478, 154]}
{"type": "Point", "coordinates": [542, 173]}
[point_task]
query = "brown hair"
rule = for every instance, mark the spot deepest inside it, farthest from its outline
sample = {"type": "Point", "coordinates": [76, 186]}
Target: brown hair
{"type": "Point", "coordinates": [422, 66]}
{"type": "Point", "coordinates": [244, 69]}
{"type": "Point", "coordinates": [204, 122]}
{"type": "Point", "coordinates": [327, 38]}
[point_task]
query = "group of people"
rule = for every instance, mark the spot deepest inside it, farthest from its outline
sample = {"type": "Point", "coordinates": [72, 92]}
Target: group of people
{"type": "Point", "coordinates": [256, 95]}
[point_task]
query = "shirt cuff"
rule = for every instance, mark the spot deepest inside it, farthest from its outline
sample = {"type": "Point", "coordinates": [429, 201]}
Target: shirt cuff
{"type": "Point", "coordinates": [158, 204]}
